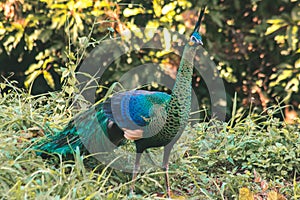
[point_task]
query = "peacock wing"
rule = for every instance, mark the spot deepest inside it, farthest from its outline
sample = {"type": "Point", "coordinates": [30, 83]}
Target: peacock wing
{"type": "Point", "coordinates": [137, 110]}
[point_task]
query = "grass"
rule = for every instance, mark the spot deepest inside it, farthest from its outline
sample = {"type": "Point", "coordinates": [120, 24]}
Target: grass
{"type": "Point", "coordinates": [257, 155]}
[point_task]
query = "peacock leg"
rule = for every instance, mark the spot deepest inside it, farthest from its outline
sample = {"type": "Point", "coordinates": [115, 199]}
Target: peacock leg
{"type": "Point", "coordinates": [135, 172]}
{"type": "Point", "coordinates": [167, 151]}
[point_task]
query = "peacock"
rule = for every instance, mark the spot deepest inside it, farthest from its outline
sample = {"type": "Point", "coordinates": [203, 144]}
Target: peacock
{"type": "Point", "coordinates": [149, 118]}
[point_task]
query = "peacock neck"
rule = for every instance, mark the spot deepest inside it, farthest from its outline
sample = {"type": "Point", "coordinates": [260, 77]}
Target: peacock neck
{"type": "Point", "coordinates": [183, 81]}
{"type": "Point", "coordinates": [180, 103]}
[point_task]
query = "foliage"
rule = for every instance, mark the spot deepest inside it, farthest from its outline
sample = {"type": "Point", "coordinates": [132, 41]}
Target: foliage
{"type": "Point", "coordinates": [256, 50]}
{"type": "Point", "coordinates": [257, 156]}
{"type": "Point", "coordinates": [35, 35]}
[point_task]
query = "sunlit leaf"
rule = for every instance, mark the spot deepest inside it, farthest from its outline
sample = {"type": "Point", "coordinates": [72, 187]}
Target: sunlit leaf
{"type": "Point", "coordinates": [58, 6]}
{"type": "Point", "coordinates": [29, 42]}
{"type": "Point", "coordinates": [134, 29]}
{"type": "Point", "coordinates": [245, 194]}
{"type": "Point", "coordinates": [297, 64]}
{"type": "Point", "coordinates": [274, 28]}
{"type": "Point", "coordinates": [284, 75]}
{"type": "Point", "coordinates": [34, 67]}
{"type": "Point", "coordinates": [157, 7]}
{"type": "Point", "coordinates": [30, 78]}
{"type": "Point", "coordinates": [169, 7]}
{"type": "Point", "coordinates": [18, 37]}
{"type": "Point", "coordinates": [280, 39]}
{"type": "Point", "coordinates": [151, 28]}
{"type": "Point", "coordinates": [78, 20]}
{"type": "Point", "coordinates": [276, 21]}
{"type": "Point", "coordinates": [128, 12]}
{"type": "Point", "coordinates": [17, 26]}
{"type": "Point", "coordinates": [2, 86]}
{"type": "Point", "coordinates": [181, 28]}
{"type": "Point", "coordinates": [272, 195]}
{"type": "Point", "coordinates": [49, 79]}
{"type": "Point", "coordinates": [167, 39]}
{"type": "Point", "coordinates": [2, 28]}
{"type": "Point", "coordinates": [83, 4]}
{"type": "Point", "coordinates": [293, 85]}
{"type": "Point", "coordinates": [46, 62]}
{"type": "Point", "coordinates": [69, 89]}
{"type": "Point", "coordinates": [273, 76]}
{"type": "Point", "coordinates": [292, 36]}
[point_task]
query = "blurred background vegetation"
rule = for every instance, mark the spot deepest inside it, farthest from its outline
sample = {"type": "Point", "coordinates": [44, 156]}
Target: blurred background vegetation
{"type": "Point", "coordinates": [254, 43]}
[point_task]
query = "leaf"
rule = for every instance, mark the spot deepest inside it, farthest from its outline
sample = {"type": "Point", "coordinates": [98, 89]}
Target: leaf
{"type": "Point", "coordinates": [46, 62]}
{"type": "Point", "coordinates": [295, 14]}
{"type": "Point", "coordinates": [284, 75]}
{"type": "Point", "coordinates": [264, 185]}
{"type": "Point", "coordinates": [33, 67]}
{"type": "Point", "coordinates": [297, 63]}
{"type": "Point", "coordinates": [217, 18]}
{"type": "Point", "coordinates": [83, 4]}
{"type": "Point", "coordinates": [29, 42]}
{"type": "Point", "coordinates": [69, 90]}
{"type": "Point", "coordinates": [181, 28]}
{"type": "Point", "coordinates": [78, 20]}
{"type": "Point", "coordinates": [29, 79]}
{"type": "Point", "coordinates": [292, 36]}
{"type": "Point", "coordinates": [7, 43]}
{"type": "Point", "coordinates": [18, 37]}
{"type": "Point", "coordinates": [245, 194]}
{"type": "Point", "coordinates": [49, 79]}
{"type": "Point", "coordinates": [292, 85]}
{"type": "Point", "coordinates": [230, 160]}
{"type": "Point", "coordinates": [83, 41]}
{"type": "Point", "coordinates": [274, 28]}
{"type": "Point", "coordinates": [128, 12]}
{"type": "Point", "coordinates": [169, 7]}
{"type": "Point", "coordinates": [2, 86]}
{"type": "Point", "coordinates": [2, 29]}
{"type": "Point", "coordinates": [135, 30]}
{"type": "Point", "coordinates": [167, 39]}
{"type": "Point", "coordinates": [157, 7]}
{"type": "Point", "coordinates": [276, 21]}
{"type": "Point", "coordinates": [280, 39]}
{"type": "Point", "coordinates": [272, 195]}
{"type": "Point", "coordinates": [150, 29]}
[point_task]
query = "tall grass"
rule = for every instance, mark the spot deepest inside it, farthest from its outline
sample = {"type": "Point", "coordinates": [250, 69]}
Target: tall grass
{"type": "Point", "coordinates": [212, 160]}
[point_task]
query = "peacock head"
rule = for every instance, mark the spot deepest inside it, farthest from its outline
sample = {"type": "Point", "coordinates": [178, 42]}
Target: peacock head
{"type": "Point", "coordinates": [196, 37]}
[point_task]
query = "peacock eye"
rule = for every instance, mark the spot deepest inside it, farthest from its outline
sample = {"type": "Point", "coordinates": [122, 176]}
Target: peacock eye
{"type": "Point", "coordinates": [194, 39]}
